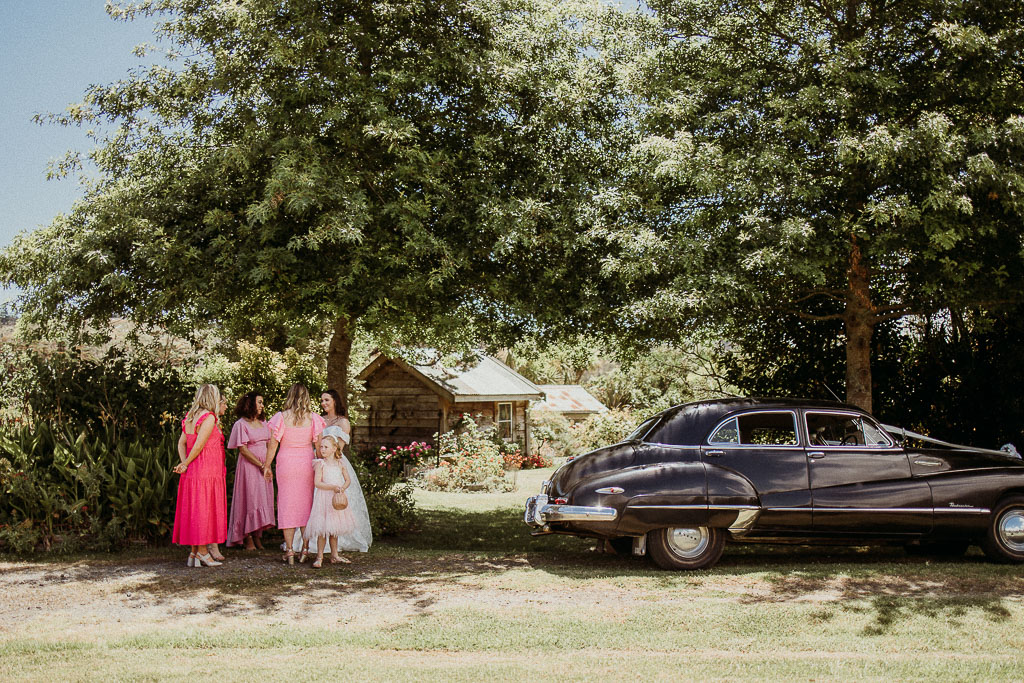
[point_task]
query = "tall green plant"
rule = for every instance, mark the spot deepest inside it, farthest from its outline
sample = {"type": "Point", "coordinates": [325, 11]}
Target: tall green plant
{"type": "Point", "coordinates": [62, 489]}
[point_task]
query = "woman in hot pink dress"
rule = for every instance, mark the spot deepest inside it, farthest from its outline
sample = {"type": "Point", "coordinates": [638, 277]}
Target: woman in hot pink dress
{"type": "Point", "coordinates": [294, 430]}
{"type": "Point", "coordinates": [201, 514]}
{"type": "Point", "coordinates": [252, 503]}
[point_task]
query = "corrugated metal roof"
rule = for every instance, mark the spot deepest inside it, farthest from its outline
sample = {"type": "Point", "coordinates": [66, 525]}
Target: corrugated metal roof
{"type": "Point", "coordinates": [486, 379]}
{"type": "Point", "coordinates": [569, 398]}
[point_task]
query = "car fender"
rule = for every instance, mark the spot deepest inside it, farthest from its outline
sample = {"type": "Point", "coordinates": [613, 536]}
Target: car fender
{"type": "Point", "coordinates": [652, 496]}
{"type": "Point", "coordinates": [733, 502]}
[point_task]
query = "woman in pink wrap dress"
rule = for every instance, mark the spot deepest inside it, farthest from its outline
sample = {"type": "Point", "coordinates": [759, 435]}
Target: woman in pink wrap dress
{"type": "Point", "coordinates": [294, 431]}
{"type": "Point", "coordinates": [252, 505]}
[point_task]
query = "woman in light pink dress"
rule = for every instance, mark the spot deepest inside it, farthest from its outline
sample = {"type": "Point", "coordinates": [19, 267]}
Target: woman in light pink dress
{"type": "Point", "coordinates": [294, 431]}
{"type": "Point", "coordinates": [252, 503]}
{"type": "Point", "coordinates": [200, 513]}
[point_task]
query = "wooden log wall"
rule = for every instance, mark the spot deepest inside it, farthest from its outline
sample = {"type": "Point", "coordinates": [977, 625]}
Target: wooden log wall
{"type": "Point", "coordinates": [400, 409]}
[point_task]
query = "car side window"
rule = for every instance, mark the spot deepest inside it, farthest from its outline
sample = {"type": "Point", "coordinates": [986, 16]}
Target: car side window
{"type": "Point", "coordinates": [839, 429]}
{"type": "Point", "coordinates": [757, 429]}
{"type": "Point", "coordinates": [727, 433]}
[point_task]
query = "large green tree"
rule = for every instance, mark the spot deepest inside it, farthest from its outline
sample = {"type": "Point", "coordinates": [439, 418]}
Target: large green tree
{"type": "Point", "coordinates": [322, 164]}
{"type": "Point", "coordinates": [856, 160]}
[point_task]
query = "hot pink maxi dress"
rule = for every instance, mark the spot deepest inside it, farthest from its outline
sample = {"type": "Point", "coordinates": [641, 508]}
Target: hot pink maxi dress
{"type": "Point", "coordinates": [252, 502]}
{"type": "Point", "coordinates": [201, 513]}
{"type": "Point", "coordinates": [294, 465]}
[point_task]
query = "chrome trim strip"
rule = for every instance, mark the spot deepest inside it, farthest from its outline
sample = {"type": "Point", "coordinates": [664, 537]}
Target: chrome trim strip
{"type": "Point", "coordinates": [981, 511]}
{"type": "Point", "coordinates": [696, 507]}
{"type": "Point", "coordinates": [670, 507]}
{"type": "Point", "coordinates": [914, 510]}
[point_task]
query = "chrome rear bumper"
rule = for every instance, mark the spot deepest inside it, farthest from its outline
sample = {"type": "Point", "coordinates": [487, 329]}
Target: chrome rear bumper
{"type": "Point", "coordinates": [539, 512]}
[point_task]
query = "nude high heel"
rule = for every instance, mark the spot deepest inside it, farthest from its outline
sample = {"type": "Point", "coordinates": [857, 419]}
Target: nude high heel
{"type": "Point", "coordinates": [207, 560]}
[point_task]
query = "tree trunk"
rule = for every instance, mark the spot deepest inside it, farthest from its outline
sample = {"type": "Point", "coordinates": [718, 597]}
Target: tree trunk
{"type": "Point", "coordinates": [338, 354]}
{"type": "Point", "coordinates": [860, 326]}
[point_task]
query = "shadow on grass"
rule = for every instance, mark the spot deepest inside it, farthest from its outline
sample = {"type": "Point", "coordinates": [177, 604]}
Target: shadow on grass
{"type": "Point", "coordinates": [882, 583]}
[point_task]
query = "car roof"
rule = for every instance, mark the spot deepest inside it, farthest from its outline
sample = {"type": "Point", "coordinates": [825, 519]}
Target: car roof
{"type": "Point", "coordinates": [692, 421]}
{"type": "Point", "coordinates": [727, 405]}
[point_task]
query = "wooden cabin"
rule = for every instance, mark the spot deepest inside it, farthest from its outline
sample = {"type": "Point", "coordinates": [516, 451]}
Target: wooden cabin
{"type": "Point", "coordinates": [406, 402]}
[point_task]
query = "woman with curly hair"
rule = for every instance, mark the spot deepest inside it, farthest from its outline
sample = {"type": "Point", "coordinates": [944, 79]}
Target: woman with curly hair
{"type": "Point", "coordinates": [252, 504]}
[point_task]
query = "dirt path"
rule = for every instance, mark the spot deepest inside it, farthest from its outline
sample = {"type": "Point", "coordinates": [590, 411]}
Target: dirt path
{"type": "Point", "coordinates": [154, 591]}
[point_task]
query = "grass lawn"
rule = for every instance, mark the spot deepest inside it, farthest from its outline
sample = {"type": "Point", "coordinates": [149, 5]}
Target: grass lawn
{"type": "Point", "coordinates": [472, 596]}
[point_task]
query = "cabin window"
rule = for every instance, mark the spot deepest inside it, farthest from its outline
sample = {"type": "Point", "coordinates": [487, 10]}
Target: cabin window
{"type": "Point", "coordinates": [505, 420]}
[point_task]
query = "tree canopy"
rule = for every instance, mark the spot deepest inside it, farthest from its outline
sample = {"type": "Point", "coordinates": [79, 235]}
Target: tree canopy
{"type": "Point", "coordinates": [854, 161]}
{"type": "Point", "coordinates": [307, 163]}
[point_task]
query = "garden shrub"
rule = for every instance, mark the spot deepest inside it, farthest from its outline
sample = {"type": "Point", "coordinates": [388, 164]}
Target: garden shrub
{"type": "Point", "coordinates": [471, 459]}
{"type": "Point", "coordinates": [602, 429]}
{"type": "Point", "coordinates": [131, 391]}
{"type": "Point", "coordinates": [67, 492]}
{"type": "Point", "coordinates": [389, 502]}
{"type": "Point", "coordinates": [552, 433]}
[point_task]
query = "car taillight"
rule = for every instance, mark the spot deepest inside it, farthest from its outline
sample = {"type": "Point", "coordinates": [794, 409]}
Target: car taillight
{"type": "Point", "coordinates": [560, 501]}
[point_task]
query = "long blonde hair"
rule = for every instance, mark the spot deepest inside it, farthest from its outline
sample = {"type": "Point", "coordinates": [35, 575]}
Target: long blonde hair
{"type": "Point", "coordinates": [296, 404]}
{"type": "Point", "coordinates": [207, 398]}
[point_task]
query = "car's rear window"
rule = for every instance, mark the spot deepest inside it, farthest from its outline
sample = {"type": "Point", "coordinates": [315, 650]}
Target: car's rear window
{"type": "Point", "coordinates": [757, 429]}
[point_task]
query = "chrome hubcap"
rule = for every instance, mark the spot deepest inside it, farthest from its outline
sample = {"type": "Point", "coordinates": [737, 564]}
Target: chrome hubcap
{"type": "Point", "coordinates": [1011, 530]}
{"type": "Point", "coordinates": [690, 543]}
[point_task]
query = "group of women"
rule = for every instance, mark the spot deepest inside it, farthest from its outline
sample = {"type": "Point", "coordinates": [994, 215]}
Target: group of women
{"type": "Point", "coordinates": [316, 485]}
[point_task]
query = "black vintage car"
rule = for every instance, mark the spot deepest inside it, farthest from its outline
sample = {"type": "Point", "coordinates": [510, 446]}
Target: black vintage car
{"type": "Point", "coordinates": [781, 470]}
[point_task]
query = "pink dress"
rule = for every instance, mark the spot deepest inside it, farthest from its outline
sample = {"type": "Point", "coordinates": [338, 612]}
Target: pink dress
{"type": "Point", "coordinates": [324, 520]}
{"type": "Point", "coordinates": [294, 466]}
{"type": "Point", "coordinates": [201, 513]}
{"type": "Point", "coordinates": [252, 502]}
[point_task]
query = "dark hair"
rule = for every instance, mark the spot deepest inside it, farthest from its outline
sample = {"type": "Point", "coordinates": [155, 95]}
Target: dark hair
{"type": "Point", "coordinates": [339, 408]}
{"type": "Point", "coordinates": [246, 407]}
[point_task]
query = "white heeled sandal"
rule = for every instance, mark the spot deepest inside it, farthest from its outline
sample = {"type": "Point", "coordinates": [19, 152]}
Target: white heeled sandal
{"type": "Point", "coordinates": [207, 560]}
{"type": "Point", "coordinates": [191, 562]}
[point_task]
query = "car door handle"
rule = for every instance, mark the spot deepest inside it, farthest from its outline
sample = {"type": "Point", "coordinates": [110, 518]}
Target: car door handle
{"type": "Point", "coordinates": [928, 463]}
{"type": "Point", "coordinates": [816, 454]}
{"type": "Point", "coordinates": [714, 454]}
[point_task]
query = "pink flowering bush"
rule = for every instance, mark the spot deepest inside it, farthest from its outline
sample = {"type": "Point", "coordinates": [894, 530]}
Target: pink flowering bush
{"type": "Point", "coordinates": [470, 460]}
{"type": "Point", "coordinates": [416, 454]}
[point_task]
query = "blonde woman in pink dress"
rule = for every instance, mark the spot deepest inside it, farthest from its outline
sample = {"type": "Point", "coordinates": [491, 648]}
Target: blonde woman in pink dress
{"type": "Point", "coordinates": [252, 504]}
{"type": "Point", "coordinates": [200, 513]}
{"type": "Point", "coordinates": [294, 431]}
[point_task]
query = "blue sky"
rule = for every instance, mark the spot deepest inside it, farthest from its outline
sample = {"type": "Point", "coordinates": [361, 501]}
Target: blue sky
{"type": "Point", "coordinates": [50, 51]}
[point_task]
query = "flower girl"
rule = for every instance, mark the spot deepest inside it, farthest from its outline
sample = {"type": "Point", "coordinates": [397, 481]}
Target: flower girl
{"type": "Point", "coordinates": [339, 512]}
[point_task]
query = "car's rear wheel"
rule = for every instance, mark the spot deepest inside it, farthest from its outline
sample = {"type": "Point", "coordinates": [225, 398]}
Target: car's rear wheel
{"type": "Point", "coordinates": [1004, 540]}
{"type": "Point", "coordinates": [685, 548]}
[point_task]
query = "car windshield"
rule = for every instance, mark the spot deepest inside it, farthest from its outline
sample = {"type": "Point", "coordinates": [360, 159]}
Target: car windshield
{"type": "Point", "coordinates": [642, 430]}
